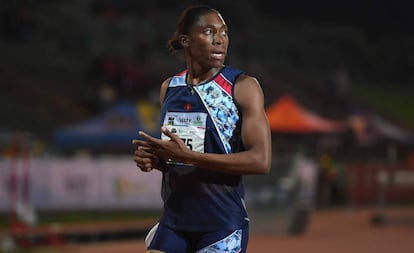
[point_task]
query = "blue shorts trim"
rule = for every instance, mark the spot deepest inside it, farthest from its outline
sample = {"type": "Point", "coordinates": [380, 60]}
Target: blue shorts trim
{"type": "Point", "coordinates": [170, 241]}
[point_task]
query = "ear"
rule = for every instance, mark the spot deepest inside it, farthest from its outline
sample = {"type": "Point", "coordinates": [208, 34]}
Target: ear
{"type": "Point", "coordinates": [184, 41]}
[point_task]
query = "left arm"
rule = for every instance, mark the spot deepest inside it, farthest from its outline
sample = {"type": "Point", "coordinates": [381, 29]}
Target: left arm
{"type": "Point", "coordinates": [256, 159]}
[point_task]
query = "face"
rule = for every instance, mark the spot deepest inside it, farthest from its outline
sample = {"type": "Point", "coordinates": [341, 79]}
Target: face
{"type": "Point", "coordinates": [208, 41]}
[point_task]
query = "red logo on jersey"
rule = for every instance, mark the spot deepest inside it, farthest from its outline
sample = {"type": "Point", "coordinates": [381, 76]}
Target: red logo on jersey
{"type": "Point", "coordinates": [187, 107]}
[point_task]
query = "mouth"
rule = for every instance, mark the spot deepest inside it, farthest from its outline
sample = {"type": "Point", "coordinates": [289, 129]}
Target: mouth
{"type": "Point", "coordinates": [218, 55]}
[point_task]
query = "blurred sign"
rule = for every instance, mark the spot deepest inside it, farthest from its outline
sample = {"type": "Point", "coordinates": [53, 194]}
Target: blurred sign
{"type": "Point", "coordinates": [366, 181]}
{"type": "Point", "coordinates": [83, 183]}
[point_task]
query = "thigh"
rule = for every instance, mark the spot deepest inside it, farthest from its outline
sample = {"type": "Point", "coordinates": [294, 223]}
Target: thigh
{"type": "Point", "coordinates": [224, 241]}
{"type": "Point", "coordinates": [163, 239]}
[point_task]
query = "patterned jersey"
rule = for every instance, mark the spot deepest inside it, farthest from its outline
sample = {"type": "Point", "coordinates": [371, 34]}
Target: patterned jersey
{"type": "Point", "coordinates": [207, 119]}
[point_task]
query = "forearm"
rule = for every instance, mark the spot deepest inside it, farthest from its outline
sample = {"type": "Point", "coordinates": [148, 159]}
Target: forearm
{"type": "Point", "coordinates": [246, 162]}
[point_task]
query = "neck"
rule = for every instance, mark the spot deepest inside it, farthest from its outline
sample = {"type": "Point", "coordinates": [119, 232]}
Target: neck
{"type": "Point", "coordinates": [195, 76]}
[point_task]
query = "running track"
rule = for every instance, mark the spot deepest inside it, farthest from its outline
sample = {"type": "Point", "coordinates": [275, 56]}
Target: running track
{"type": "Point", "coordinates": [339, 231]}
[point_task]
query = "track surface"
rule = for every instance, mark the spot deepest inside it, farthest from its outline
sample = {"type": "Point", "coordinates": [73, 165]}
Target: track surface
{"type": "Point", "coordinates": [339, 231]}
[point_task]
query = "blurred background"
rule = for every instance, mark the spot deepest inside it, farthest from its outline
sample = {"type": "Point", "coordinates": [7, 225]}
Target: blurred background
{"type": "Point", "coordinates": [79, 78]}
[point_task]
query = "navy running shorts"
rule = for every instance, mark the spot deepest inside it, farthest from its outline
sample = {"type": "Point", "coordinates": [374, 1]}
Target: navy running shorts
{"type": "Point", "coordinates": [167, 240]}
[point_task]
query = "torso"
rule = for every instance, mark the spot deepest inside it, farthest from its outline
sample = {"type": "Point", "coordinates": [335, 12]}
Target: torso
{"type": "Point", "coordinates": [206, 117]}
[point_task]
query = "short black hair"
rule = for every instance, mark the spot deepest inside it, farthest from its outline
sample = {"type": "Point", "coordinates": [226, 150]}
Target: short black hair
{"type": "Point", "coordinates": [188, 17]}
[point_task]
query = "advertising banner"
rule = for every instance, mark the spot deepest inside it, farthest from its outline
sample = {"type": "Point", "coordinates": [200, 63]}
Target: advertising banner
{"type": "Point", "coordinates": [81, 183]}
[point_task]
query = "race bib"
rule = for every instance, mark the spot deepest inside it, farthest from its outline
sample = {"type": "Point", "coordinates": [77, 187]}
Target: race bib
{"type": "Point", "coordinates": [189, 126]}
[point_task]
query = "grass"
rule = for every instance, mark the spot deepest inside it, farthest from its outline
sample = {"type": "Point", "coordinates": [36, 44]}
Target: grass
{"type": "Point", "coordinates": [82, 217]}
{"type": "Point", "coordinates": [75, 217]}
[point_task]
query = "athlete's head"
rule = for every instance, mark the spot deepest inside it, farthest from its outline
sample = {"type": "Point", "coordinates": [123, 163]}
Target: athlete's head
{"type": "Point", "coordinates": [201, 35]}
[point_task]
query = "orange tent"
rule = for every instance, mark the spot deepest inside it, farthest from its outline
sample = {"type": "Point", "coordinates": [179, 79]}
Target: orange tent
{"type": "Point", "coordinates": [287, 116]}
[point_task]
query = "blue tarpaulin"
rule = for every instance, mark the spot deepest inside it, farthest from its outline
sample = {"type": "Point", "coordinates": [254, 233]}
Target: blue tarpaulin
{"type": "Point", "coordinates": [111, 131]}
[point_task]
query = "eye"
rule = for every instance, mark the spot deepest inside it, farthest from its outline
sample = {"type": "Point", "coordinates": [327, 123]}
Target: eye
{"type": "Point", "coordinates": [208, 31]}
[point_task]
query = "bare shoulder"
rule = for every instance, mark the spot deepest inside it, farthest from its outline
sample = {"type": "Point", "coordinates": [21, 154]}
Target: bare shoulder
{"type": "Point", "coordinates": [247, 89]}
{"type": "Point", "coordinates": [163, 89]}
{"type": "Point", "coordinates": [165, 83]}
{"type": "Point", "coordinates": [246, 80]}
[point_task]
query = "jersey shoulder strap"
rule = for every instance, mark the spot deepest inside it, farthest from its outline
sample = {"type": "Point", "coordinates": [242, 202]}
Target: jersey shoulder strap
{"type": "Point", "coordinates": [227, 78]}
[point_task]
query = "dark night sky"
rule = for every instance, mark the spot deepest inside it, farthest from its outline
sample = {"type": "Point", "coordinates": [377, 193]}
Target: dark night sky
{"type": "Point", "coordinates": [374, 17]}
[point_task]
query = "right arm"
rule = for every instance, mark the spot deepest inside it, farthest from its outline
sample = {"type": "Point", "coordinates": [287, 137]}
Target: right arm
{"type": "Point", "coordinates": [163, 90]}
{"type": "Point", "coordinates": [144, 156]}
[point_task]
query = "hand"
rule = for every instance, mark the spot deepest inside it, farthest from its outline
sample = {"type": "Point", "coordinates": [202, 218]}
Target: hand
{"type": "Point", "coordinates": [173, 149]}
{"type": "Point", "coordinates": [144, 156]}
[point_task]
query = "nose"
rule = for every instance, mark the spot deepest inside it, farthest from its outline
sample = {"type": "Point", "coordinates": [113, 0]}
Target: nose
{"type": "Point", "coordinates": [218, 39]}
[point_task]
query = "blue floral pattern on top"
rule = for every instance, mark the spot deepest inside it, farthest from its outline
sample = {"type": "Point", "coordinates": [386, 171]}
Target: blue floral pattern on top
{"type": "Point", "coordinates": [221, 109]}
{"type": "Point", "coordinates": [230, 244]}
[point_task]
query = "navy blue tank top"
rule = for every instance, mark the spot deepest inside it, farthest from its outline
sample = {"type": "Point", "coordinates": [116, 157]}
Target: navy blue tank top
{"type": "Point", "coordinates": [198, 199]}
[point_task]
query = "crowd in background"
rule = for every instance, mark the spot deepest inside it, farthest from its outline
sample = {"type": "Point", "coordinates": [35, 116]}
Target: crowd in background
{"type": "Point", "coordinates": [65, 61]}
